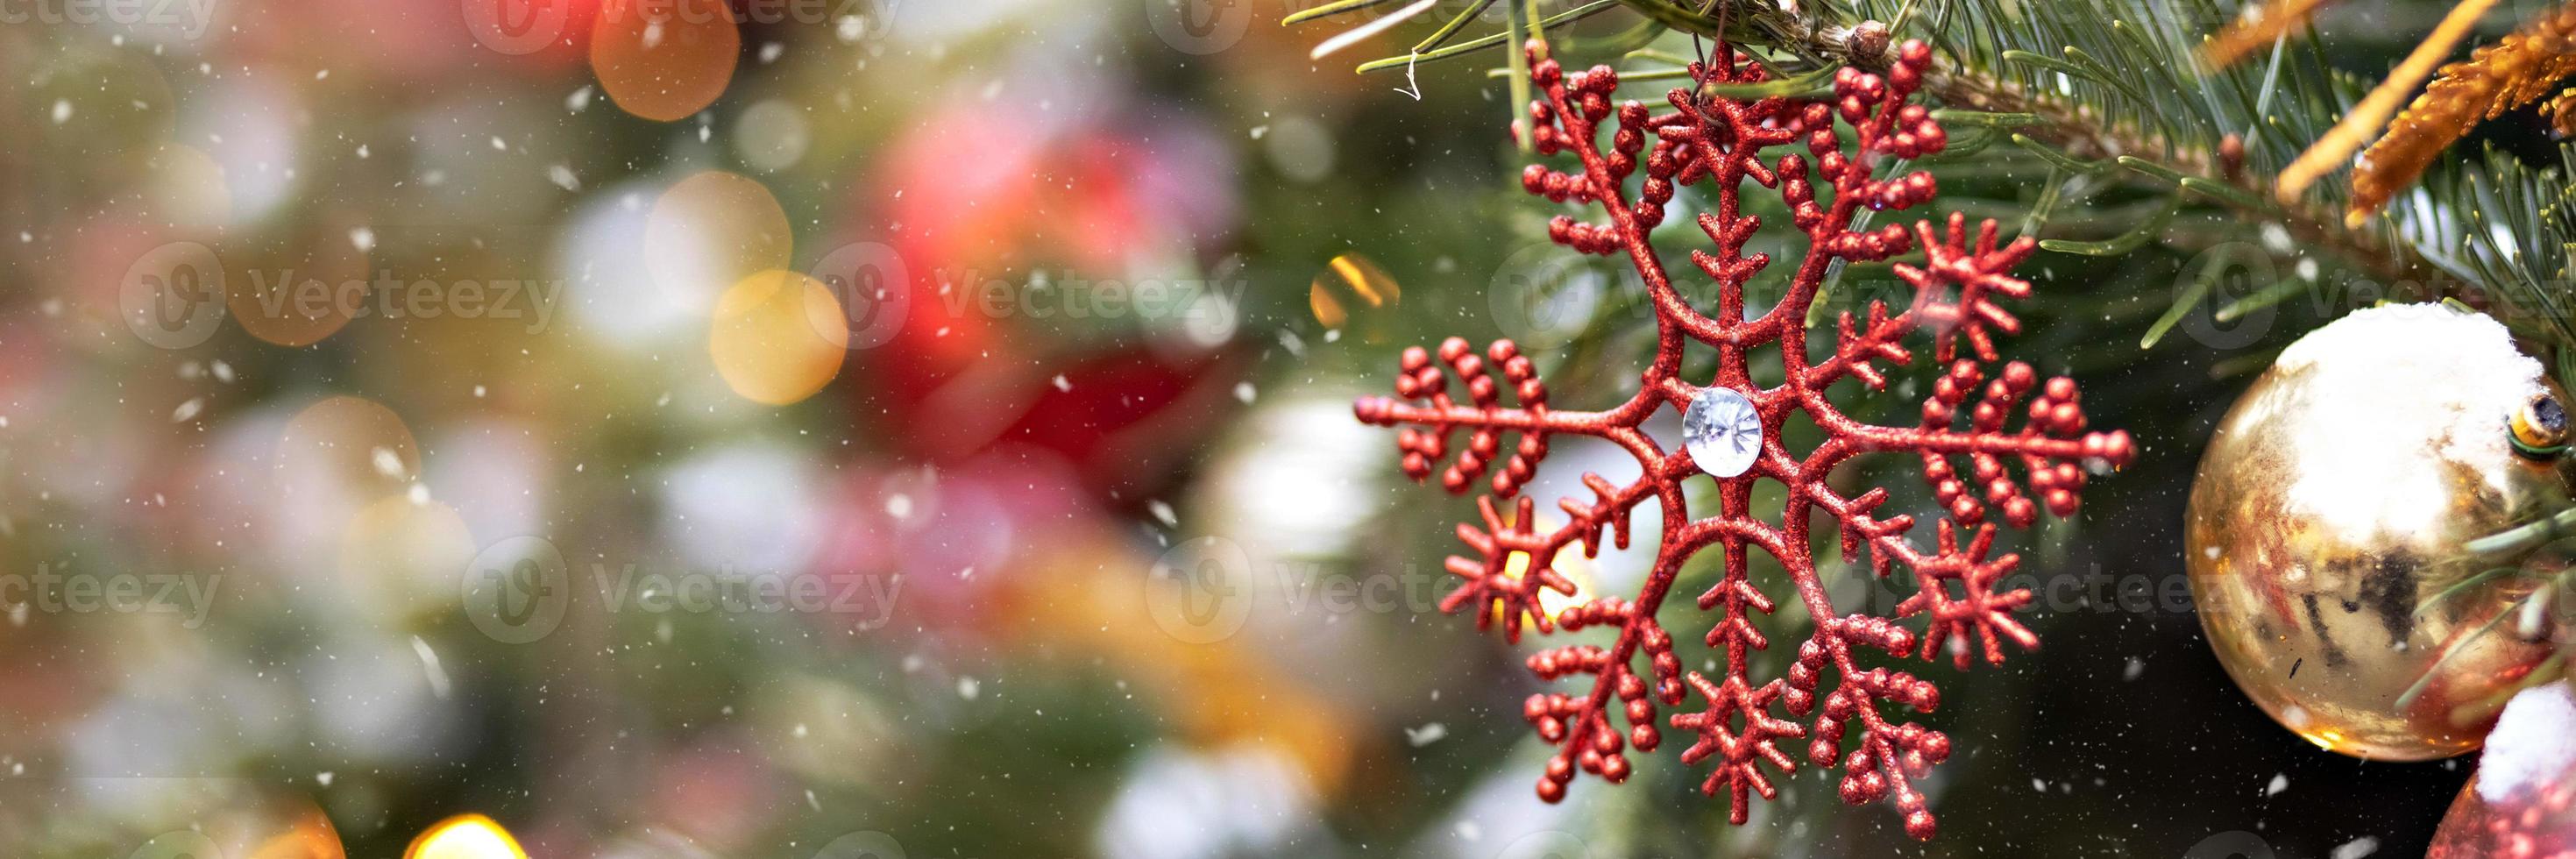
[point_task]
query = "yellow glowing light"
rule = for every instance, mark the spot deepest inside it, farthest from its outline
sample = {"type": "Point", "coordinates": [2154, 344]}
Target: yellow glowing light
{"type": "Point", "coordinates": [1350, 281]}
{"type": "Point", "coordinates": [664, 60]}
{"type": "Point", "coordinates": [465, 836]}
{"type": "Point", "coordinates": [777, 337]}
{"type": "Point", "coordinates": [1570, 563]}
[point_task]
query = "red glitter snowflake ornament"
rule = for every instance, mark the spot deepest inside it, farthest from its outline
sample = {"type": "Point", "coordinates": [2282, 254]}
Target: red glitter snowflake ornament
{"type": "Point", "coordinates": [1733, 433]}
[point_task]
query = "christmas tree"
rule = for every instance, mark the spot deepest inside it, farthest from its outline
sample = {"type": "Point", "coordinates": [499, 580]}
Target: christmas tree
{"type": "Point", "coordinates": [643, 428]}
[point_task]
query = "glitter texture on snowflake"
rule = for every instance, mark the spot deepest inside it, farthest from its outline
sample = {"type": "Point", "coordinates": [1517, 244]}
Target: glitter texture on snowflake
{"type": "Point", "coordinates": [1738, 723]}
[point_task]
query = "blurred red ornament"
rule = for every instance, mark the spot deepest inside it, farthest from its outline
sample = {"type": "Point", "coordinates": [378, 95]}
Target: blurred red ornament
{"type": "Point", "coordinates": [1735, 425]}
{"type": "Point", "coordinates": [1097, 196]}
{"type": "Point", "coordinates": [2522, 802]}
{"type": "Point", "coordinates": [409, 41]}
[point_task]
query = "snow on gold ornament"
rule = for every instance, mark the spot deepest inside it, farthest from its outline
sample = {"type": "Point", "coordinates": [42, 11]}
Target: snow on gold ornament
{"type": "Point", "coordinates": [2328, 518]}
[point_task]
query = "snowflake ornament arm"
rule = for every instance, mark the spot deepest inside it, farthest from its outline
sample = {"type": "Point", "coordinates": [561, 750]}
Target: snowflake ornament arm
{"type": "Point", "coordinates": [1969, 454]}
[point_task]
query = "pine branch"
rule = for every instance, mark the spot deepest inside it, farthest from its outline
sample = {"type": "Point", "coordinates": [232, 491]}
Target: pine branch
{"type": "Point", "coordinates": [2496, 78]}
{"type": "Point", "coordinates": [2111, 92]}
{"type": "Point", "coordinates": [2194, 153]}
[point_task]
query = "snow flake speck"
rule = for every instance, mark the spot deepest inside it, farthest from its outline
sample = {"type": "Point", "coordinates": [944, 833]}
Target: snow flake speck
{"type": "Point", "coordinates": [1426, 735]}
{"type": "Point", "coordinates": [387, 462]}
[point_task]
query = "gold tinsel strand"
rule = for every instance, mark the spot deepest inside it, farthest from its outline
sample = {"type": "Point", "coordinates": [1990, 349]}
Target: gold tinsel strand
{"type": "Point", "coordinates": [2260, 26]}
{"type": "Point", "coordinates": [2330, 151]}
{"type": "Point", "coordinates": [2496, 78]}
{"type": "Point", "coordinates": [2562, 112]}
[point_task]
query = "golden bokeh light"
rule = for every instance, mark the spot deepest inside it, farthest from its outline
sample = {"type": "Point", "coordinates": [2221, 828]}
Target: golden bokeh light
{"type": "Point", "coordinates": [465, 836]}
{"type": "Point", "coordinates": [664, 59]}
{"type": "Point", "coordinates": [1571, 564]}
{"type": "Point", "coordinates": [776, 337]}
{"type": "Point", "coordinates": [352, 447]}
{"type": "Point", "coordinates": [1349, 284]}
{"type": "Point", "coordinates": [711, 230]}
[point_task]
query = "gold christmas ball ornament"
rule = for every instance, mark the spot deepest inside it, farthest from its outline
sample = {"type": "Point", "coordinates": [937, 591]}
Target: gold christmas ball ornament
{"type": "Point", "coordinates": [2325, 529]}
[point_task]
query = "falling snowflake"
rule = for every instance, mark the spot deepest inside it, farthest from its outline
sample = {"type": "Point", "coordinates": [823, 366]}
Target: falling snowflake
{"type": "Point", "coordinates": [1734, 428]}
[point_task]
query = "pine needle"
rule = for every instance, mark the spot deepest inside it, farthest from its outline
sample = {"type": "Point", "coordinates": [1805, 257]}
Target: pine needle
{"type": "Point", "coordinates": [1334, 8]}
{"type": "Point", "coordinates": [2498, 77]}
{"type": "Point", "coordinates": [1363, 31]}
{"type": "Point", "coordinates": [2258, 29]}
{"type": "Point", "coordinates": [2368, 117]}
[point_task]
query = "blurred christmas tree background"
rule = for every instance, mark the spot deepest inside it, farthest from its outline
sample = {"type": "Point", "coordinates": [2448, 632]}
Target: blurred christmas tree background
{"type": "Point", "coordinates": [902, 427]}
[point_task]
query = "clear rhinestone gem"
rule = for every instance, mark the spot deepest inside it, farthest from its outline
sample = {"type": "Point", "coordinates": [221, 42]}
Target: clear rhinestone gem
{"type": "Point", "coordinates": [1722, 431]}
